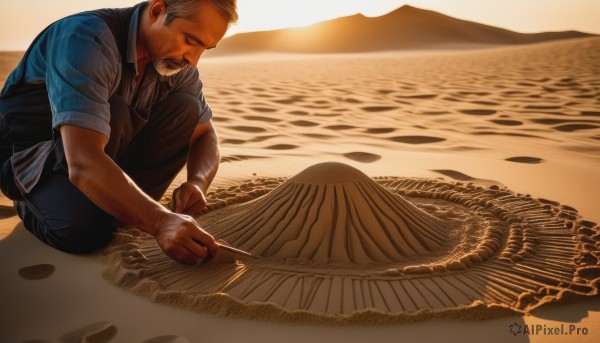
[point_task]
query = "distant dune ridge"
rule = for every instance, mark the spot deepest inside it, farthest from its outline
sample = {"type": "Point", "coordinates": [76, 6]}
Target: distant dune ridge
{"type": "Point", "coordinates": [405, 28]}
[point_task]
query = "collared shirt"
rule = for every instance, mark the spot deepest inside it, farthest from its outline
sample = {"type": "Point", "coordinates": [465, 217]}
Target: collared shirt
{"type": "Point", "coordinates": [79, 61]}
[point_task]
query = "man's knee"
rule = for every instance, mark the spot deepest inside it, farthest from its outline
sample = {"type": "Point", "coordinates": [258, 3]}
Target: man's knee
{"type": "Point", "coordinates": [82, 230]}
{"type": "Point", "coordinates": [83, 233]}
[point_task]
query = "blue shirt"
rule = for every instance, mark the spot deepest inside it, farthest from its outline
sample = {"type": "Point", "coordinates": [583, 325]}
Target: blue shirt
{"type": "Point", "coordinates": [79, 61]}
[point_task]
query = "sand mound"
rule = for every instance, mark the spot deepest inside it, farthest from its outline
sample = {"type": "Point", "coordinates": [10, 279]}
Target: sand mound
{"type": "Point", "coordinates": [331, 213]}
{"type": "Point", "coordinates": [335, 245]}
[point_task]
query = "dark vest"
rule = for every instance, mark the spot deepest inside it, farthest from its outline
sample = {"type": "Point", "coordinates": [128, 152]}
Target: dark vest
{"type": "Point", "coordinates": [118, 20]}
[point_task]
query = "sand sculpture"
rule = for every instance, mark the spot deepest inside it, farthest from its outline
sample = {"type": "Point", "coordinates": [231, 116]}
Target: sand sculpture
{"type": "Point", "coordinates": [334, 245]}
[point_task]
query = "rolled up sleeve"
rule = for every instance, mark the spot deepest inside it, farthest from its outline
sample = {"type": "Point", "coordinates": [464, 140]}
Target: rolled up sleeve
{"type": "Point", "coordinates": [82, 68]}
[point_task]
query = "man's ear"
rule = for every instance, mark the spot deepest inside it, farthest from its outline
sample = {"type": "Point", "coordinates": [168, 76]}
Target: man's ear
{"type": "Point", "coordinates": [155, 9]}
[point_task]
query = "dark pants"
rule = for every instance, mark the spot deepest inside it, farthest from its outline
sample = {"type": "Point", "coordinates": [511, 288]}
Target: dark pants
{"type": "Point", "coordinates": [151, 152]}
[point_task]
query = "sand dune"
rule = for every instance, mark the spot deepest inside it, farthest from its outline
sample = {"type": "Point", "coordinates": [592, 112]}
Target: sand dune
{"type": "Point", "coordinates": [405, 28]}
{"type": "Point", "coordinates": [546, 97]}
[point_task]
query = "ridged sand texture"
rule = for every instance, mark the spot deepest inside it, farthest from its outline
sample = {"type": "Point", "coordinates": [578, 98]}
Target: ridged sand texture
{"type": "Point", "coordinates": [332, 213]}
{"type": "Point", "coordinates": [337, 246]}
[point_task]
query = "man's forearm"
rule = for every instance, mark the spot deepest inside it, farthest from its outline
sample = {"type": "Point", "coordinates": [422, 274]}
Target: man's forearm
{"type": "Point", "coordinates": [102, 181]}
{"type": "Point", "coordinates": [203, 160]}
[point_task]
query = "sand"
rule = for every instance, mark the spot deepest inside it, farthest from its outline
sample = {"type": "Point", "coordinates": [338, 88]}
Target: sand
{"type": "Point", "coordinates": [524, 118]}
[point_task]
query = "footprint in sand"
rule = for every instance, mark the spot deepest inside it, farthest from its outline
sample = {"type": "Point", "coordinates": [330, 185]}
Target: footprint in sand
{"type": "Point", "coordinates": [525, 159]}
{"type": "Point", "coordinates": [590, 113]}
{"type": "Point", "coordinates": [318, 136]}
{"type": "Point", "coordinates": [318, 114]}
{"type": "Point", "coordinates": [478, 112]}
{"type": "Point", "coordinates": [235, 158]}
{"type": "Point", "coordinates": [510, 134]}
{"type": "Point", "coordinates": [37, 272]}
{"type": "Point", "coordinates": [541, 107]}
{"type": "Point", "coordinates": [378, 108]}
{"type": "Point", "coordinates": [263, 109]}
{"type": "Point", "coordinates": [232, 141]}
{"type": "Point", "coordinates": [417, 96]}
{"type": "Point", "coordinates": [290, 100]}
{"type": "Point", "coordinates": [575, 127]}
{"type": "Point", "coordinates": [236, 110]}
{"type": "Point", "coordinates": [260, 118]}
{"type": "Point", "coordinates": [434, 113]}
{"type": "Point", "coordinates": [506, 122]}
{"type": "Point", "coordinates": [250, 129]}
{"type": "Point", "coordinates": [340, 127]}
{"type": "Point", "coordinates": [282, 147]}
{"type": "Point", "coordinates": [167, 339]}
{"type": "Point", "coordinates": [263, 95]}
{"type": "Point", "coordinates": [509, 93]}
{"type": "Point", "coordinates": [551, 121]}
{"type": "Point", "coordinates": [363, 157]}
{"type": "Point", "coordinates": [416, 139]}
{"type": "Point", "coordinates": [100, 332]}
{"type": "Point", "coordinates": [221, 119]}
{"type": "Point", "coordinates": [473, 93]}
{"type": "Point", "coordinates": [262, 138]}
{"type": "Point", "coordinates": [304, 123]}
{"type": "Point", "coordinates": [379, 130]}
{"type": "Point", "coordinates": [485, 103]}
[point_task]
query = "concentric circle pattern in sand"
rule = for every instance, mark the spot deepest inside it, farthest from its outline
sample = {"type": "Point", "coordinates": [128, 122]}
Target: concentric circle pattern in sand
{"type": "Point", "coordinates": [364, 250]}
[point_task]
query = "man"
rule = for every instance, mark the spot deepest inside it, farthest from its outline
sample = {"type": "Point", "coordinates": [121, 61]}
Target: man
{"type": "Point", "coordinates": [103, 111]}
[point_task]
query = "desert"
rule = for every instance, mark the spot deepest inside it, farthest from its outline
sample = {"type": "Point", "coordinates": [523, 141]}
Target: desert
{"type": "Point", "coordinates": [514, 126]}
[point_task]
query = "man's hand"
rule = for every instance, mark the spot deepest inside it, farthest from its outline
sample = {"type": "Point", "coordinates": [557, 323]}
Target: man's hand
{"type": "Point", "coordinates": [178, 235]}
{"type": "Point", "coordinates": [183, 240]}
{"type": "Point", "coordinates": [188, 199]}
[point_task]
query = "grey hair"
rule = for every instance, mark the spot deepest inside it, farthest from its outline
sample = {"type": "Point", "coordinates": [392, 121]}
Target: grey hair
{"type": "Point", "coordinates": [187, 8]}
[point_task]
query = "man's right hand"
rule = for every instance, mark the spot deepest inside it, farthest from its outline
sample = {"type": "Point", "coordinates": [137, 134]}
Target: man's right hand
{"type": "Point", "coordinates": [105, 183]}
{"type": "Point", "coordinates": [183, 240]}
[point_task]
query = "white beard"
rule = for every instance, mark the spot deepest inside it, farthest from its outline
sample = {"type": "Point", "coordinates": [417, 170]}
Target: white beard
{"type": "Point", "coordinates": [163, 68]}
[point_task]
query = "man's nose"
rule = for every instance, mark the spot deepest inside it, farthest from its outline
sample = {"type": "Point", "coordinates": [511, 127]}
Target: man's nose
{"type": "Point", "coordinates": [193, 55]}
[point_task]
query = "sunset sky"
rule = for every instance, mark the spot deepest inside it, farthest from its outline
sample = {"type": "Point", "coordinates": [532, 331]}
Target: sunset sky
{"type": "Point", "coordinates": [21, 20]}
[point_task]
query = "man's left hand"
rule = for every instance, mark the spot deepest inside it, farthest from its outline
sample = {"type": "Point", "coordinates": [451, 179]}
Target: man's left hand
{"type": "Point", "coordinates": [189, 199]}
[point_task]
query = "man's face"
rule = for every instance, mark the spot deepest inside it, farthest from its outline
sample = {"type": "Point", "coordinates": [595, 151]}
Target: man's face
{"type": "Point", "coordinates": [183, 40]}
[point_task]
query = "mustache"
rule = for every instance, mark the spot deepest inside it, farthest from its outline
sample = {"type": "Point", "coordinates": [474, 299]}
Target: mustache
{"type": "Point", "coordinates": [175, 64]}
